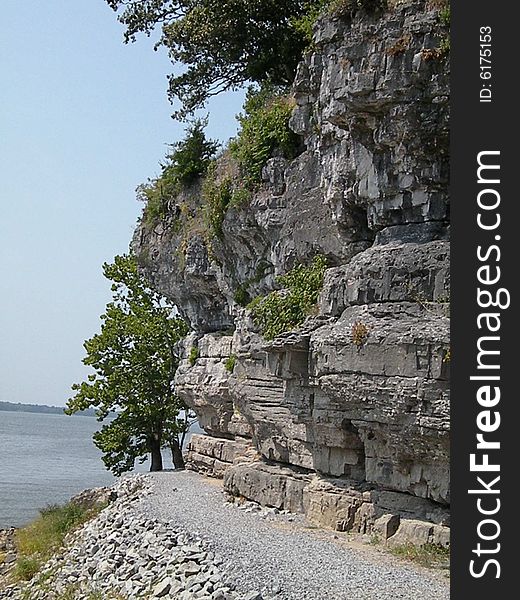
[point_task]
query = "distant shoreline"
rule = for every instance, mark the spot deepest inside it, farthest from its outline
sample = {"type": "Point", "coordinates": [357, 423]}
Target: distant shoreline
{"type": "Point", "coordinates": [41, 409]}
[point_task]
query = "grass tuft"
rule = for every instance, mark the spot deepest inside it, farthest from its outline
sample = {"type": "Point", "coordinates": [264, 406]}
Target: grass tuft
{"type": "Point", "coordinates": [38, 541]}
{"type": "Point", "coordinates": [429, 555]}
{"type": "Point", "coordinates": [194, 354]}
{"type": "Point", "coordinates": [230, 363]}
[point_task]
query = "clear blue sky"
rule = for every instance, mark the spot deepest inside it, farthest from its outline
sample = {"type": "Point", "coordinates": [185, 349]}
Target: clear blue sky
{"type": "Point", "coordinates": [83, 120]}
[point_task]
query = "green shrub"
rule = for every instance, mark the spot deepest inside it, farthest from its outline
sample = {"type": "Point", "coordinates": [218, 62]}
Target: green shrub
{"type": "Point", "coordinates": [242, 296]}
{"type": "Point", "coordinates": [304, 23]}
{"type": "Point", "coordinates": [345, 7]}
{"type": "Point", "coordinates": [283, 310]}
{"type": "Point", "coordinates": [155, 194]}
{"type": "Point", "coordinates": [445, 45]}
{"type": "Point", "coordinates": [217, 197]}
{"type": "Point", "coordinates": [191, 157]}
{"type": "Point", "coordinates": [264, 128]}
{"type": "Point", "coordinates": [230, 363]}
{"type": "Point", "coordinates": [187, 160]}
{"type": "Point", "coordinates": [447, 356]}
{"type": "Point", "coordinates": [445, 19]}
{"type": "Point", "coordinates": [312, 10]}
{"type": "Point", "coordinates": [27, 567]}
{"type": "Point", "coordinates": [239, 197]}
{"type": "Point", "coordinates": [194, 354]}
{"type": "Point", "coordinates": [445, 16]}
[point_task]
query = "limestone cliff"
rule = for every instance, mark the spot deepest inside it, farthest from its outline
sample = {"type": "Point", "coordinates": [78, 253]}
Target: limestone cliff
{"type": "Point", "coordinates": [351, 429]}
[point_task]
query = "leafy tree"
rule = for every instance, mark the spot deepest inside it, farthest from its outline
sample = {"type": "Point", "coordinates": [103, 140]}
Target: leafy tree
{"type": "Point", "coordinates": [191, 157]}
{"type": "Point", "coordinates": [221, 43]}
{"type": "Point", "coordinates": [134, 362]}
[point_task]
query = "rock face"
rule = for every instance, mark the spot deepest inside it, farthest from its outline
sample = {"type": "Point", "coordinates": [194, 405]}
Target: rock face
{"type": "Point", "coordinates": [349, 415]}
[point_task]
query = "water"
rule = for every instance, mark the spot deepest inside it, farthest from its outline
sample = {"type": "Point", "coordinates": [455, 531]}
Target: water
{"type": "Point", "coordinates": [46, 459]}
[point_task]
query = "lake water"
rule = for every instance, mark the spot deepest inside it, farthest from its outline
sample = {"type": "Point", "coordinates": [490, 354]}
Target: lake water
{"type": "Point", "coordinates": [45, 459]}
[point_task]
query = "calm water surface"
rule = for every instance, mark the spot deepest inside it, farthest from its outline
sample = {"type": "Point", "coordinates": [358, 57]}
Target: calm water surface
{"type": "Point", "coordinates": [45, 459]}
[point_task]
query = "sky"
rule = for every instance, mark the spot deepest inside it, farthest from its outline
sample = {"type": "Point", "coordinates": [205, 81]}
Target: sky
{"type": "Point", "coordinates": [84, 119]}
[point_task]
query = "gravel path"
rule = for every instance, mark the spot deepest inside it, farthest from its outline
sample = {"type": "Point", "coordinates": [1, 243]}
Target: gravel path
{"type": "Point", "coordinates": [276, 554]}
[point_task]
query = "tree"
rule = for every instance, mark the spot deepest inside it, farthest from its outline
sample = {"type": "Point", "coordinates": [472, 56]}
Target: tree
{"type": "Point", "coordinates": [221, 43]}
{"type": "Point", "coordinates": [190, 158]}
{"type": "Point", "coordinates": [175, 431]}
{"type": "Point", "coordinates": [134, 361]}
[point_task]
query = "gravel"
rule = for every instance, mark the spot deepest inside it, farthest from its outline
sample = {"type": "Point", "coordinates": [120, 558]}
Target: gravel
{"type": "Point", "coordinates": [275, 555]}
{"type": "Point", "coordinates": [176, 536]}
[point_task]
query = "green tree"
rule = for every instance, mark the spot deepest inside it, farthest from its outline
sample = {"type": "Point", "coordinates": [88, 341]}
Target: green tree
{"type": "Point", "coordinates": [134, 361]}
{"type": "Point", "coordinates": [190, 157]}
{"type": "Point", "coordinates": [221, 43]}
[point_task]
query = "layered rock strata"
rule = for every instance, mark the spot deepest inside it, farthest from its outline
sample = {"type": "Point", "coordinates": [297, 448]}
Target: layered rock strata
{"type": "Point", "coordinates": [347, 418]}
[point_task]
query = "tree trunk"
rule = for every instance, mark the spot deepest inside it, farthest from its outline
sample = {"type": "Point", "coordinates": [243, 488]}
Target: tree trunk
{"type": "Point", "coordinates": [155, 451]}
{"type": "Point", "coordinates": [177, 457]}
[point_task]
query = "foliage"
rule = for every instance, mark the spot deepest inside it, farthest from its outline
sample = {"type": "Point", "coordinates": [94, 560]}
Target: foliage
{"type": "Point", "coordinates": [217, 197]}
{"type": "Point", "coordinates": [445, 45]}
{"type": "Point", "coordinates": [191, 157]}
{"type": "Point", "coordinates": [225, 44]}
{"type": "Point", "coordinates": [239, 197]}
{"type": "Point", "coordinates": [27, 567]}
{"type": "Point", "coordinates": [155, 208]}
{"type": "Point", "coordinates": [187, 160]}
{"type": "Point", "coordinates": [230, 363]}
{"type": "Point", "coordinates": [445, 19]}
{"type": "Point", "coordinates": [221, 45]}
{"type": "Point", "coordinates": [283, 310]}
{"type": "Point", "coordinates": [241, 295]}
{"type": "Point", "coordinates": [313, 9]}
{"type": "Point", "coordinates": [342, 7]}
{"type": "Point", "coordinates": [359, 333]}
{"type": "Point", "coordinates": [134, 361]}
{"type": "Point", "coordinates": [264, 128]}
{"type": "Point", "coordinates": [445, 16]}
{"type": "Point", "coordinates": [429, 555]}
{"type": "Point", "coordinates": [304, 23]}
{"type": "Point", "coordinates": [194, 354]}
{"type": "Point", "coordinates": [38, 541]}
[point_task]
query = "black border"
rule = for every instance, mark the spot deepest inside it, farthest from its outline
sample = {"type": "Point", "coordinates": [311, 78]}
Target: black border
{"type": "Point", "coordinates": [479, 126]}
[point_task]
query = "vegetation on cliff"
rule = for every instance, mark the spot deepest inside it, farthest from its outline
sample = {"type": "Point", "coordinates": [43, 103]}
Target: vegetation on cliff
{"type": "Point", "coordinates": [134, 361]}
{"type": "Point", "coordinates": [286, 309]}
{"type": "Point", "coordinates": [264, 129]}
{"type": "Point", "coordinates": [188, 160]}
{"type": "Point", "coordinates": [227, 181]}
